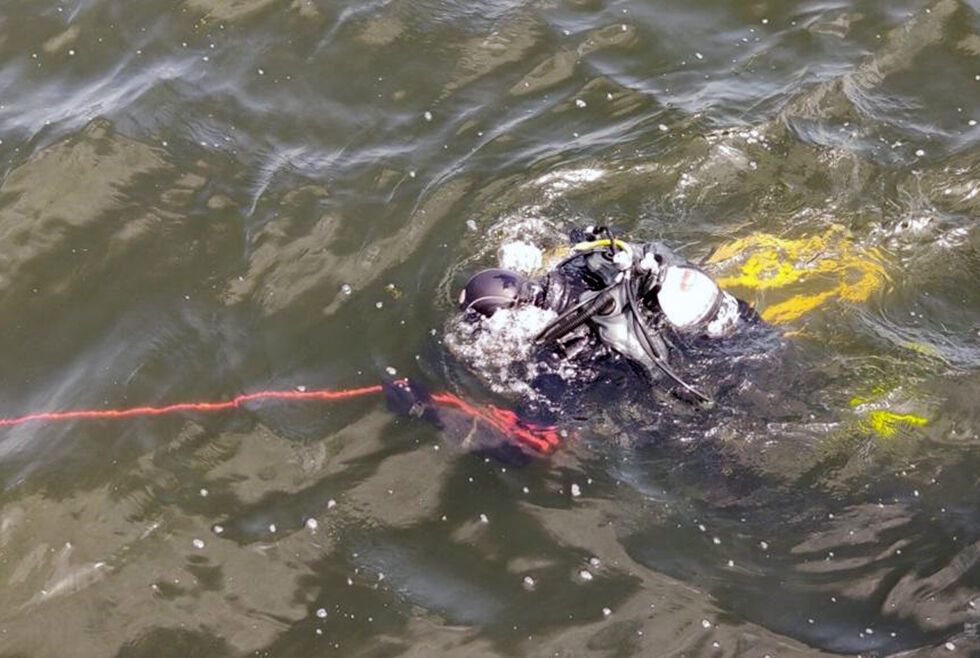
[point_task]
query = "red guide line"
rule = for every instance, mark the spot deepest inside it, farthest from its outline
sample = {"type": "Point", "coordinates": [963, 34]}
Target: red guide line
{"type": "Point", "coordinates": [543, 439]}
{"type": "Point", "coordinates": [234, 403]}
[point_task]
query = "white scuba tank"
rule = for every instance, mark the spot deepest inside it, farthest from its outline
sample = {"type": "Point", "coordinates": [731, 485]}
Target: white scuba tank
{"type": "Point", "coordinates": [691, 300]}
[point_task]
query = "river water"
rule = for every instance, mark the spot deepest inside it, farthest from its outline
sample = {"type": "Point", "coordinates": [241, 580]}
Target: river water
{"type": "Point", "coordinates": [204, 198]}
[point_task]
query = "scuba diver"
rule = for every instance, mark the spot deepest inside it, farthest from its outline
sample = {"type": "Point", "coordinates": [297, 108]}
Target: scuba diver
{"type": "Point", "coordinates": [611, 297]}
{"type": "Point", "coordinates": [620, 297]}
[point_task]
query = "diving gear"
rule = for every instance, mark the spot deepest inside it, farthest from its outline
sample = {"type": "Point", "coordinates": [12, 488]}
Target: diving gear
{"type": "Point", "coordinates": [687, 296]}
{"type": "Point", "coordinates": [633, 294]}
{"type": "Point", "coordinates": [490, 290]}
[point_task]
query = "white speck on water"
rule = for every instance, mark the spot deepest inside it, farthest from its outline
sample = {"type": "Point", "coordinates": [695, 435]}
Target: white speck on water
{"type": "Point", "coordinates": [204, 493]}
{"type": "Point", "coordinates": [218, 529]}
{"type": "Point", "coordinates": [663, 127]}
{"type": "Point", "coordinates": [715, 540]}
{"type": "Point", "coordinates": [731, 563]}
{"type": "Point", "coordinates": [346, 289]}
{"type": "Point", "coordinates": [350, 581]}
{"type": "Point", "coordinates": [915, 493]}
{"type": "Point", "coordinates": [576, 490]}
{"type": "Point", "coordinates": [484, 519]}
{"type": "Point", "coordinates": [411, 174]}
{"type": "Point", "coordinates": [528, 583]}
{"type": "Point", "coordinates": [765, 21]}
{"type": "Point", "coordinates": [526, 490]}
{"type": "Point", "coordinates": [391, 371]}
{"type": "Point", "coordinates": [919, 153]}
{"type": "Point", "coordinates": [972, 122]}
{"type": "Point", "coordinates": [624, 27]}
{"type": "Point", "coordinates": [764, 545]}
{"type": "Point", "coordinates": [427, 115]}
{"type": "Point", "coordinates": [585, 575]}
{"type": "Point", "coordinates": [312, 523]}
{"type": "Point", "coordinates": [699, 55]}
{"type": "Point", "coordinates": [198, 544]}
{"type": "Point", "coordinates": [301, 388]}
{"type": "Point", "coordinates": [580, 103]}
{"type": "Point", "coordinates": [705, 623]}
{"type": "Point", "coordinates": [261, 71]}
{"type": "Point", "coordinates": [702, 527]}
{"type": "Point", "coordinates": [950, 646]}
{"type": "Point", "coordinates": [594, 562]}
{"type": "Point", "coordinates": [606, 612]}
{"type": "Point", "coordinates": [321, 613]}
{"type": "Point", "coordinates": [272, 527]}
{"type": "Point", "coordinates": [71, 52]}
{"type": "Point", "coordinates": [379, 304]}
{"type": "Point", "coordinates": [331, 503]}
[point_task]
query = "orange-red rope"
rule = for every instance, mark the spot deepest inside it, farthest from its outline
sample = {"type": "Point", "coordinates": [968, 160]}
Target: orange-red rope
{"type": "Point", "coordinates": [234, 403]}
{"type": "Point", "coordinates": [543, 439]}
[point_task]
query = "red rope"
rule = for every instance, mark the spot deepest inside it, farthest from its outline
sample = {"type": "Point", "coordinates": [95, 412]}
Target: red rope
{"type": "Point", "coordinates": [539, 438]}
{"type": "Point", "coordinates": [234, 403]}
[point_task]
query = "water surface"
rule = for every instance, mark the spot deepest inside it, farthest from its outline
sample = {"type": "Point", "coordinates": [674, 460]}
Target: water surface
{"type": "Point", "coordinates": [187, 188]}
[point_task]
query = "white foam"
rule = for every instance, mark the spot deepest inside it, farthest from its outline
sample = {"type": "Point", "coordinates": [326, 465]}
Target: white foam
{"type": "Point", "coordinates": [499, 348]}
{"type": "Point", "coordinates": [521, 257]}
{"type": "Point", "coordinates": [560, 181]}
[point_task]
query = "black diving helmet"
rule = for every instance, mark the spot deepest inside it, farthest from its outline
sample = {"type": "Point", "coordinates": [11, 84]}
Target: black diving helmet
{"type": "Point", "coordinates": [494, 289]}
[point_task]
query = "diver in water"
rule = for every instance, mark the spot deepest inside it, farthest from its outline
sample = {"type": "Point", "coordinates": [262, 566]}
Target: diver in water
{"type": "Point", "coordinates": [610, 297]}
{"type": "Point", "coordinates": [620, 297]}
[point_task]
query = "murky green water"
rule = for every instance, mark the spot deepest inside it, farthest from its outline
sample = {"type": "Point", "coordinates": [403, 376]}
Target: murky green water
{"type": "Point", "coordinates": [187, 186]}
